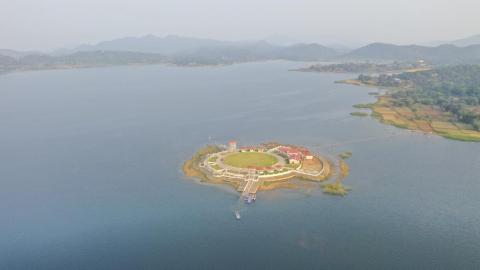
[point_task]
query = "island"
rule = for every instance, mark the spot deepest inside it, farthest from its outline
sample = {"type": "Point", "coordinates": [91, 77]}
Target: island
{"type": "Point", "coordinates": [362, 114]}
{"type": "Point", "coordinates": [443, 100]}
{"type": "Point", "coordinates": [255, 168]}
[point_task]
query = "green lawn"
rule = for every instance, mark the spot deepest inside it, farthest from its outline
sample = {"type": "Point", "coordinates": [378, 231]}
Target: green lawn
{"type": "Point", "coordinates": [250, 159]}
{"type": "Point", "coordinates": [212, 159]}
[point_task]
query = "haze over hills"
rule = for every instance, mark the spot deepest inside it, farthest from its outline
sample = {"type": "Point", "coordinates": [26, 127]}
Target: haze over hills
{"type": "Point", "coordinates": [463, 42]}
{"type": "Point", "coordinates": [210, 48]}
{"type": "Point", "coordinates": [173, 44]}
{"type": "Point", "coordinates": [196, 51]}
{"type": "Point", "coordinates": [169, 49]}
{"type": "Point", "coordinates": [443, 54]}
{"type": "Point", "coordinates": [280, 40]}
{"type": "Point", "coordinates": [152, 44]}
{"type": "Point", "coordinates": [259, 51]}
{"type": "Point", "coordinates": [473, 40]}
{"type": "Point", "coordinates": [17, 54]}
{"type": "Point", "coordinates": [78, 60]}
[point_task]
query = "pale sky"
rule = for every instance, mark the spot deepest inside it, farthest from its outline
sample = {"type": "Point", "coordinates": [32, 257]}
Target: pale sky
{"type": "Point", "coordinates": [48, 24]}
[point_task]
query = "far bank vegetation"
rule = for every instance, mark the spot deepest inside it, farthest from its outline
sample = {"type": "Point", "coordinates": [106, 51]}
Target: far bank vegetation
{"type": "Point", "coordinates": [443, 101]}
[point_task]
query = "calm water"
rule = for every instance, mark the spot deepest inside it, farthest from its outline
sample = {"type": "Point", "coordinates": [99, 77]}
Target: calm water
{"type": "Point", "coordinates": [90, 175]}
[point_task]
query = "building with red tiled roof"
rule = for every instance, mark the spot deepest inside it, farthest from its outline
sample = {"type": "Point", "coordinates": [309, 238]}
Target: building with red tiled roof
{"type": "Point", "coordinates": [295, 155]}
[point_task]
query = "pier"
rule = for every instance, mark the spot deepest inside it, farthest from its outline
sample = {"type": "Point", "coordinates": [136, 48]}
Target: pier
{"type": "Point", "coordinates": [252, 183]}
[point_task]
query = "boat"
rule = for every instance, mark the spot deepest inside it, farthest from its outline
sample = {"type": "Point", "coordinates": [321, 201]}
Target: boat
{"type": "Point", "coordinates": [237, 214]}
{"type": "Point", "coordinates": [249, 198]}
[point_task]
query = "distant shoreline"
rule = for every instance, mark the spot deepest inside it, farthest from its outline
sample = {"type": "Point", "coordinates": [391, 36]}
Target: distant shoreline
{"type": "Point", "coordinates": [366, 67]}
{"type": "Point", "coordinates": [167, 64]}
{"type": "Point", "coordinates": [4, 72]}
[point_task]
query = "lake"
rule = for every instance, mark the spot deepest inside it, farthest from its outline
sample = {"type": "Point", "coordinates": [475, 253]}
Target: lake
{"type": "Point", "coordinates": [90, 174]}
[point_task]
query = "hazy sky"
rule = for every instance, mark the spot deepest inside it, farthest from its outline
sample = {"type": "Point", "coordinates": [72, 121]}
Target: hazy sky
{"type": "Point", "coordinates": [45, 24]}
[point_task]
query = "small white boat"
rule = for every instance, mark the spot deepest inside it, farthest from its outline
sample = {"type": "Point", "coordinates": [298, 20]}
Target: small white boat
{"type": "Point", "coordinates": [237, 214]}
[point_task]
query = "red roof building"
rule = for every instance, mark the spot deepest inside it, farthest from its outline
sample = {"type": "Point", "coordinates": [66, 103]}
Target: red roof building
{"type": "Point", "coordinates": [293, 154]}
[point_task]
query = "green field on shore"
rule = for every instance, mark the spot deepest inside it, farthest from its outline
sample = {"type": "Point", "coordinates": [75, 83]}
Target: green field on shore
{"type": "Point", "coordinates": [250, 159]}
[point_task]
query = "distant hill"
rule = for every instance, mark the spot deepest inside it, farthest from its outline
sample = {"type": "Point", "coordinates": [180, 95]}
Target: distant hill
{"type": "Point", "coordinates": [111, 58]}
{"type": "Point", "coordinates": [193, 51]}
{"type": "Point", "coordinates": [79, 59]}
{"type": "Point", "coordinates": [217, 54]}
{"type": "Point", "coordinates": [445, 54]}
{"type": "Point", "coordinates": [280, 40]}
{"type": "Point", "coordinates": [463, 42]}
{"type": "Point", "coordinates": [468, 41]}
{"type": "Point", "coordinates": [7, 60]}
{"type": "Point", "coordinates": [383, 51]}
{"type": "Point", "coordinates": [307, 52]}
{"type": "Point", "coordinates": [259, 51]}
{"type": "Point", "coordinates": [152, 44]}
{"type": "Point", "coordinates": [209, 50]}
{"type": "Point", "coordinates": [17, 54]}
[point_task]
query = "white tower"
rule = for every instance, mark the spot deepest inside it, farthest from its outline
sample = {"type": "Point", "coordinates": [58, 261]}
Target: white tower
{"type": "Point", "coordinates": [232, 146]}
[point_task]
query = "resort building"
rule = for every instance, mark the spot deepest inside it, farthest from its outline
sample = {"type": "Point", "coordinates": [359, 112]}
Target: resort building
{"type": "Point", "coordinates": [295, 155]}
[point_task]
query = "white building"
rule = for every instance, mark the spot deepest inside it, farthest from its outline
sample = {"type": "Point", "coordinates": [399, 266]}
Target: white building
{"type": "Point", "coordinates": [232, 146]}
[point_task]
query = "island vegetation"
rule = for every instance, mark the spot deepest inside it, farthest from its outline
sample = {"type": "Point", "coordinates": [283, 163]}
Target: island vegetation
{"type": "Point", "coordinates": [189, 167]}
{"type": "Point", "coordinates": [362, 114]}
{"type": "Point", "coordinates": [362, 106]}
{"type": "Point", "coordinates": [337, 188]}
{"type": "Point", "coordinates": [444, 100]}
{"type": "Point", "coordinates": [345, 155]}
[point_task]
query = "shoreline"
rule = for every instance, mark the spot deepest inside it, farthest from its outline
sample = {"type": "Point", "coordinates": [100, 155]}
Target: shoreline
{"type": "Point", "coordinates": [404, 117]}
{"type": "Point", "coordinates": [168, 64]}
{"type": "Point", "coordinates": [53, 68]}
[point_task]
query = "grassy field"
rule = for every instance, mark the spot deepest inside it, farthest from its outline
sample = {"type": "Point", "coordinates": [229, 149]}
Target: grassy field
{"type": "Point", "coordinates": [250, 159]}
